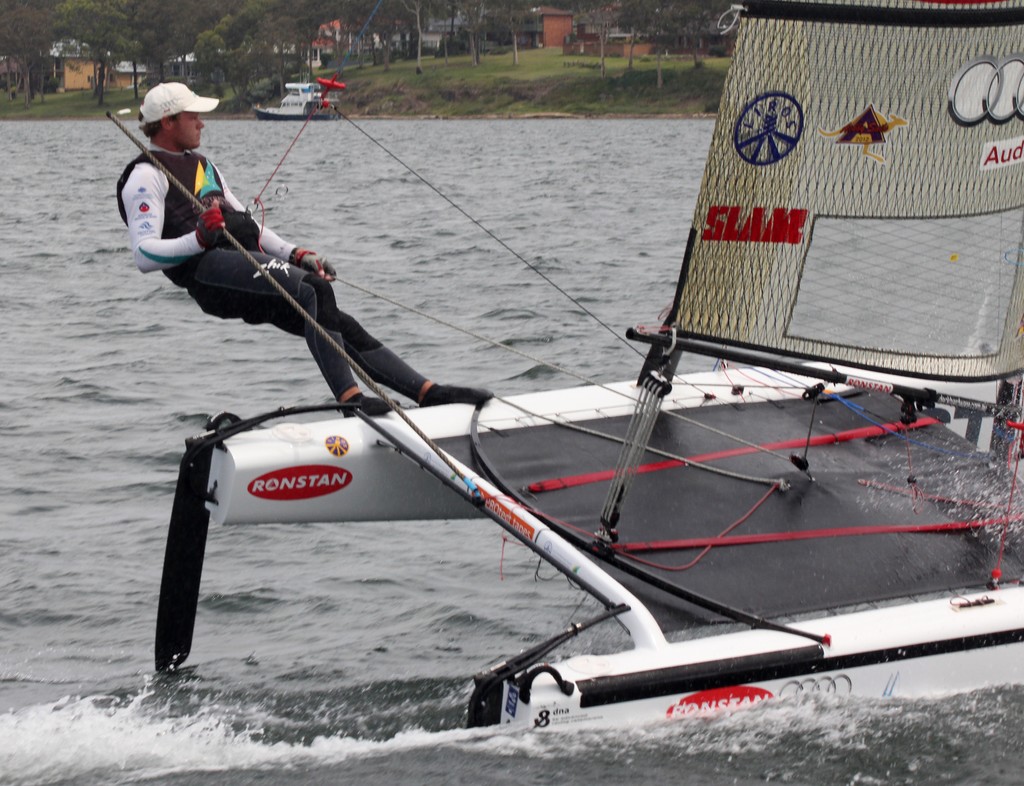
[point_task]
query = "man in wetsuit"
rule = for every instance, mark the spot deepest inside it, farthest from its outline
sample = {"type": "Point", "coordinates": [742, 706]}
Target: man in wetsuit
{"type": "Point", "coordinates": [169, 234]}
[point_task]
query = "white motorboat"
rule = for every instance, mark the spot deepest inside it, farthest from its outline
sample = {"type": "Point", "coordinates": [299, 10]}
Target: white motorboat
{"type": "Point", "coordinates": [301, 101]}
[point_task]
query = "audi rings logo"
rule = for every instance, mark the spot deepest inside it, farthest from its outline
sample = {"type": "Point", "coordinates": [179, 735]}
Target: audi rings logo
{"type": "Point", "coordinates": [988, 89]}
{"type": "Point", "coordinates": [839, 685]}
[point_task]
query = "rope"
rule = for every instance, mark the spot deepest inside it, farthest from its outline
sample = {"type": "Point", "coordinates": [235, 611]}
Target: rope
{"type": "Point", "coordinates": [258, 199]}
{"type": "Point", "coordinates": [648, 404]}
{"type": "Point", "coordinates": [479, 225]}
{"type": "Point", "coordinates": [699, 461]}
{"type": "Point", "coordinates": [316, 107]}
{"type": "Point", "coordinates": [590, 381]}
{"type": "Point", "coordinates": [997, 571]}
{"type": "Point", "coordinates": [812, 534]}
{"type": "Point", "coordinates": [359, 372]}
{"type": "Point", "coordinates": [555, 421]}
{"type": "Point", "coordinates": [627, 549]}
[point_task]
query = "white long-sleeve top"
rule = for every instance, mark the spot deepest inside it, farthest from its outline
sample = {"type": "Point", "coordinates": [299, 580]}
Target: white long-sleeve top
{"type": "Point", "coordinates": [144, 195]}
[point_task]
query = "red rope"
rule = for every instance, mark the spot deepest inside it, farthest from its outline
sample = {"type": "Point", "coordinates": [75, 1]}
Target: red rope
{"type": "Point", "coordinates": [866, 432]}
{"type": "Point", "coordinates": [812, 534]}
{"type": "Point", "coordinates": [258, 198]}
{"type": "Point", "coordinates": [971, 503]}
{"type": "Point", "coordinates": [627, 548]}
{"type": "Point", "coordinates": [997, 571]}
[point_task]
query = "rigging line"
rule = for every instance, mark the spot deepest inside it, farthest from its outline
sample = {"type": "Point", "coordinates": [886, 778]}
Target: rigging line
{"type": "Point", "coordinates": [317, 106]}
{"type": "Point", "coordinates": [930, 497]}
{"type": "Point", "coordinates": [305, 315]}
{"type": "Point", "coordinates": [626, 548]}
{"type": "Point", "coordinates": [479, 337]}
{"type": "Point", "coordinates": [997, 571]}
{"type": "Point", "coordinates": [590, 381]}
{"type": "Point", "coordinates": [583, 378]}
{"type": "Point", "coordinates": [476, 222]}
{"type": "Point", "coordinates": [863, 413]}
{"type": "Point", "coordinates": [359, 36]}
{"type": "Point", "coordinates": [657, 451]}
{"type": "Point", "coordinates": [700, 460]}
{"type": "Point", "coordinates": [787, 536]}
{"type": "Point", "coordinates": [599, 551]}
{"type": "Point", "coordinates": [539, 360]}
{"type": "Point", "coordinates": [257, 200]}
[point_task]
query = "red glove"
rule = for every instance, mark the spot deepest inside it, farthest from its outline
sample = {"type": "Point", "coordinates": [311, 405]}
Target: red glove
{"type": "Point", "coordinates": [313, 262]}
{"type": "Point", "coordinates": [210, 227]}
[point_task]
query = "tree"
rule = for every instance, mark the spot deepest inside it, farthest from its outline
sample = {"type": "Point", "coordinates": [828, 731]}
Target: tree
{"type": "Point", "coordinates": [99, 26]}
{"type": "Point", "coordinates": [688, 23]}
{"type": "Point", "coordinates": [354, 15]}
{"type": "Point", "coordinates": [602, 19]}
{"type": "Point", "coordinates": [387, 23]}
{"type": "Point", "coordinates": [211, 54]}
{"type": "Point", "coordinates": [514, 14]}
{"type": "Point", "coordinates": [639, 17]}
{"type": "Point", "coordinates": [474, 18]}
{"type": "Point", "coordinates": [305, 18]}
{"type": "Point", "coordinates": [418, 9]}
{"type": "Point", "coordinates": [26, 38]}
{"type": "Point", "coordinates": [249, 44]}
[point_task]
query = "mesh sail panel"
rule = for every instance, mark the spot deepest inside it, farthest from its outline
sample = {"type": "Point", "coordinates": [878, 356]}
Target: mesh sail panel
{"type": "Point", "coordinates": [863, 200]}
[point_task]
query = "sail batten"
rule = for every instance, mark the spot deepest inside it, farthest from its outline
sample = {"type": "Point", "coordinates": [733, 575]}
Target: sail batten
{"type": "Point", "coordinates": [863, 201]}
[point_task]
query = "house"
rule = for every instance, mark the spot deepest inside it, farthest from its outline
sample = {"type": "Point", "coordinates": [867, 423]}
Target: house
{"type": "Point", "coordinates": [73, 69]}
{"type": "Point", "coordinates": [555, 26]}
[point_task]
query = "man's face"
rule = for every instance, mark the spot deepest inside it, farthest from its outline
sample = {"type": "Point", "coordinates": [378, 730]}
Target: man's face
{"type": "Point", "coordinates": [183, 131]}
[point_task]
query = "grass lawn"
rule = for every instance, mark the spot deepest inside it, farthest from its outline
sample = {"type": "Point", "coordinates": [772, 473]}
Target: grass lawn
{"type": "Point", "coordinates": [544, 82]}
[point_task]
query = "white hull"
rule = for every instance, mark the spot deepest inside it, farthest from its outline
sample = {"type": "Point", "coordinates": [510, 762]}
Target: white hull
{"type": "Point", "coordinates": [914, 650]}
{"type": "Point", "coordinates": [380, 484]}
{"type": "Point", "coordinates": [910, 648]}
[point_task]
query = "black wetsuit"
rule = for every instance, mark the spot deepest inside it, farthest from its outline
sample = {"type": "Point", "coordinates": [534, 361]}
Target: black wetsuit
{"type": "Point", "coordinates": [162, 222]}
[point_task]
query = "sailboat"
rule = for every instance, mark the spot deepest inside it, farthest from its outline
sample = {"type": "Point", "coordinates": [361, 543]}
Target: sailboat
{"type": "Point", "coordinates": [833, 509]}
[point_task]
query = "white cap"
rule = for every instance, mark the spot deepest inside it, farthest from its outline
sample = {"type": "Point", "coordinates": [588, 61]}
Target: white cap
{"type": "Point", "coordinates": [169, 98]}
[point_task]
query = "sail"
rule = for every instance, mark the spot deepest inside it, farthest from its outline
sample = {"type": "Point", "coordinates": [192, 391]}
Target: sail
{"type": "Point", "coordinates": [863, 199]}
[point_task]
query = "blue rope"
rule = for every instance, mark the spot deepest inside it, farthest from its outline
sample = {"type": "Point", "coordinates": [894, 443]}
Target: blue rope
{"type": "Point", "coordinates": [862, 413]}
{"type": "Point", "coordinates": [359, 36]}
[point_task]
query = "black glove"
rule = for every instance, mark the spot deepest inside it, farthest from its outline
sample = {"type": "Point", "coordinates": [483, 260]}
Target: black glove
{"type": "Point", "coordinates": [313, 262]}
{"type": "Point", "coordinates": [210, 227]}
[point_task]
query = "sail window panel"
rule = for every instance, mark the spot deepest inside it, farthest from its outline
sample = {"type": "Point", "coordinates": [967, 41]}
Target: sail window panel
{"type": "Point", "coordinates": [930, 286]}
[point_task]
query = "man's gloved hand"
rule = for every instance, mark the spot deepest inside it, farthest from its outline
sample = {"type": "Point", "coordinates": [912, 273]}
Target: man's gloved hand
{"type": "Point", "coordinates": [313, 262]}
{"type": "Point", "coordinates": [210, 227]}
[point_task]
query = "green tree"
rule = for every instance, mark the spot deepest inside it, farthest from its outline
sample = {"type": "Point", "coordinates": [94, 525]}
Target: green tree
{"type": "Point", "coordinates": [384, 25]}
{"type": "Point", "coordinates": [249, 45]}
{"type": "Point", "coordinates": [352, 14]}
{"type": "Point", "coordinates": [99, 26]}
{"type": "Point", "coordinates": [514, 14]}
{"type": "Point", "coordinates": [474, 19]}
{"type": "Point", "coordinates": [305, 20]}
{"type": "Point", "coordinates": [418, 10]}
{"type": "Point", "coordinates": [211, 54]}
{"type": "Point", "coordinates": [26, 38]}
{"type": "Point", "coordinates": [640, 18]}
{"type": "Point", "coordinates": [601, 19]}
{"type": "Point", "coordinates": [689, 25]}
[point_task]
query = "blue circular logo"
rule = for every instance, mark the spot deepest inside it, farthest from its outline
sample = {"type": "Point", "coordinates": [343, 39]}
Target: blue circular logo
{"type": "Point", "coordinates": [768, 128]}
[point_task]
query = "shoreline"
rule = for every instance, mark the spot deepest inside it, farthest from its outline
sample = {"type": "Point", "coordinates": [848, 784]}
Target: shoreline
{"type": "Point", "coordinates": [494, 116]}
